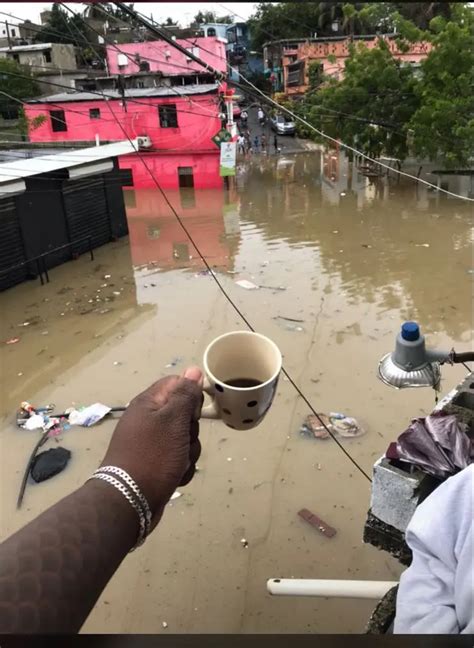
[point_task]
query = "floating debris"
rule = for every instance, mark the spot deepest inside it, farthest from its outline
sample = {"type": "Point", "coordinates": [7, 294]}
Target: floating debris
{"type": "Point", "coordinates": [164, 624]}
{"type": "Point", "coordinates": [345, 426]}
{"type": "Point", "coordinates": [175, 495]}
{"type": "Point", "coordinates": [289, 319]}
{"type": "Point", "coordinates": [34, 422]}
{"type": "Point", "coordinates": [425, 245]}
{"type": "Point", "coordinates": [89, 415]}
{"type": "Point", "coordinates": [317, 523]}
{"type": "Point", "coordinates": [334, 422]}
{"type": "Point", "coordinates": [313, 427]}
{"type": "Point", "coordinates": [273, 287]}
{"type": "Point", "coordinates": [174, 362]}
{"type": "Point", "coordinates": [248, 285]}
{"type": "Point", "coordinates": [12, 341]}
{"type": "Point", "coordinates": [244, 543]}
{"type": "Point", "coordinates": [49, 463]}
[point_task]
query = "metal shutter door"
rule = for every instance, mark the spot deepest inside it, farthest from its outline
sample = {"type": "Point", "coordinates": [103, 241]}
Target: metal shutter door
{"type": "Point", "coordinates": [86, 212]}
{"type": "Point", "coordinates": [11, 246]}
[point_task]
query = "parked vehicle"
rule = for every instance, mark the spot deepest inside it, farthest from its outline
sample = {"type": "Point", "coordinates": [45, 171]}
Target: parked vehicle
{"type": "Point", "coordinates": [282, 125]}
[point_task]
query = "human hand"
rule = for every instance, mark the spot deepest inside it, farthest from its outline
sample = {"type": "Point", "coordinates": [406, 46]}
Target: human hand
{"type": "Point", "coordinates": [156, 440]}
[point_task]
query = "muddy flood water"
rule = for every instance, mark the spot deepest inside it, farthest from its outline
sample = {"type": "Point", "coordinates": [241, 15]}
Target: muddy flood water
{"type": "Point", "coordinates": [355, 259]}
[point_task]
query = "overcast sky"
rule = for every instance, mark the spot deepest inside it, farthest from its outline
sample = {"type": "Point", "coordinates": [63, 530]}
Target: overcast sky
{"type": "Point", "coordinates": [183, 12]}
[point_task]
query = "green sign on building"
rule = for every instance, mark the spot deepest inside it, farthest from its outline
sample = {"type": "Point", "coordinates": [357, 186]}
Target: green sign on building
{"type": "Point", "coordinates": [222, 136]}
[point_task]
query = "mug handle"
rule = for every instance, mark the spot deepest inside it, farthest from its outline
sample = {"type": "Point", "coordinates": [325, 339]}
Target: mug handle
{"type": "Point", "coordinates": [210, 411]}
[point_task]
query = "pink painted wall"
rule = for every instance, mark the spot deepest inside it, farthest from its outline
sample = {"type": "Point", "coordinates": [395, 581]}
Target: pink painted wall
{"type": "Point", "coordinates": [189, 145]}
{"type": "Point", "coordinates": [154, 52]}
{"type": "Point", "coordinates": [320, 51]}
{"type": "Point", "coordinates": [164, 167]}
{"type": "Point", "coordinates": [197, 122]}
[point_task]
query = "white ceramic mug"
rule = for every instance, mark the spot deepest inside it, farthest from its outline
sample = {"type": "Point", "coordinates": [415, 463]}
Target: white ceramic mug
{"type": "Point", "coordinates": [241, 355]}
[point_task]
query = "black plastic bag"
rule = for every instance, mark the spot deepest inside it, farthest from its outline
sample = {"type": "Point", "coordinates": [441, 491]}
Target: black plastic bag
{"type": "Point", "coordinates": [438, 445]}
{"type": "Point", "coordinates": [49, 463]}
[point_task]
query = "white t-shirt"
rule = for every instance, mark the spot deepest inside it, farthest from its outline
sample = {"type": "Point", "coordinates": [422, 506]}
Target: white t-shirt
{"type": "Point", "coordinates": [260, 114]}
{"type": "Point", "coordinates": [436, 593]}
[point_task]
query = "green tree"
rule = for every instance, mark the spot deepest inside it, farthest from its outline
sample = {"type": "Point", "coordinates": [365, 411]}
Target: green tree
{"type": "Point", "coordinates": [443, 125]}
{"type": "Point", "coordinates": [203, 17]}
{"type": "Point", "coordinates": [20, 87]}
{"type": "Point", "coordinates": [275, 21]}
{"type": "Point", "coordinates": [421, 13]}
{"type": "Point", "coordinates": [371, 107]}
{"type": "Point", "coordinates": [63, 28]}
{"type": "Point", "coordinates": [27, 124]}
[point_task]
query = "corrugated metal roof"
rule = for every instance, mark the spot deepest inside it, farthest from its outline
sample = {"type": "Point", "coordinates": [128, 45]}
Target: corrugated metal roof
{"type": "Point", "coordinates": [15, 170]}
{"type": "Point", "coordinates": [162, 91]}
{"type": "Point", "coordinates": [28, 48]}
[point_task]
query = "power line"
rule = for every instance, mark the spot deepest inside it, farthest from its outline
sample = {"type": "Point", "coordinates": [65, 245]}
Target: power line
{"type": "Point", "coordinates": [333, 139]}
{"type": "Point", "coordinates": [120, 51]}
{"type": "Point", "coordinates": [229, 299]}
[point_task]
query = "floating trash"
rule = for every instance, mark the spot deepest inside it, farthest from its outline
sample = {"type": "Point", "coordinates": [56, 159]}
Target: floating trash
{"type": "Point", "coordinates": [334, 422]}
{"type": "Point", "coordinates": [248, 285]}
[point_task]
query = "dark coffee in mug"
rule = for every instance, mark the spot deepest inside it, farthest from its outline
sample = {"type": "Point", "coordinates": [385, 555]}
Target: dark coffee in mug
{"type": "Point", "coordinates": [243, 383]}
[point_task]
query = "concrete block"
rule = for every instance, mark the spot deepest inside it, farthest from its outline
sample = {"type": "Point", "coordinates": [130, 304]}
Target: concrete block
{"type": "Point", "coordinates": [386, 538]}
{"type": "Point", "coordinates": [395, 493]}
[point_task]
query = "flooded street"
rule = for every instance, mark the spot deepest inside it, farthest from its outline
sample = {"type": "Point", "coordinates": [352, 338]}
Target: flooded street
{"type": "Point", "coordinates": [351, 259]}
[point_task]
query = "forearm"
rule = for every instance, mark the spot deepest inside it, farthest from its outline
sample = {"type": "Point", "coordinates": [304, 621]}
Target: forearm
{"type": "Point", "coordinates": [53, 570]}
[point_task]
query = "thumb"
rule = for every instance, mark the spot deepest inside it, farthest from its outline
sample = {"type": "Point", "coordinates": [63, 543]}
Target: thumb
{"type": "Point", "coordinates": [186, 394]}
{"type": "Point", "coordinates": [194, 374]}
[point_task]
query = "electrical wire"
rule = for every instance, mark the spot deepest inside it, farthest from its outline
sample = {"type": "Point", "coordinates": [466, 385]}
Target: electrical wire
{"type": "Point", "coordinates": [339, 142]}
{"type": "Point", "coordinates": [233, 304]}
{"type": "Point", "coordinates": [131, 59]}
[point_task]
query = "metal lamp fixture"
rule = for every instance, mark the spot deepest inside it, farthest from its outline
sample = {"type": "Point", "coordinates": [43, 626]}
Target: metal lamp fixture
{"type": "Point", "coordinates": [411, 364]}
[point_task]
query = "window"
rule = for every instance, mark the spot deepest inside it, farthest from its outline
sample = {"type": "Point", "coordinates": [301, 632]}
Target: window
{"type": "Point", "coordinates": [144, 66]}
{"type": "Point", "coordinates": [16, 57]}
{"type": "Point", "coordinates": [181, 251]}
{"type": "Point", "coordinates": [211, 31]}
{"type": "Point", "coordinates": [168, 116]}
{"type": "Point", "coordinates": [153, 232]}
{"type": "Point", "coordinates": [94, 113]}
{"type": "Point", "coordinates": [185, 177]}
{"type": "Point", "coordinates": [13, 33]}
{"type": "Point", "coordinates": [47, 57]}
{"type": "Point", "coordinates": [296, 74]}
{"type": "Point", "coordinates": [58, 121]}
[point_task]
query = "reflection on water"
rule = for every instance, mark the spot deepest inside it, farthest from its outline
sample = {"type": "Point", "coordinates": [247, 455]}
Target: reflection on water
{"type": "Point", "coordinates": [396, 244]}
{"type": "Point", "coordinates": [355, 257]}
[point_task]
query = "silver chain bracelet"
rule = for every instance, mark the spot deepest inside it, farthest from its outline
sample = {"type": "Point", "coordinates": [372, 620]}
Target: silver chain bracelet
{"type": "Point", "coordinates": [122, 488]}
{"type": "Point", "coordinates": [125, 477]}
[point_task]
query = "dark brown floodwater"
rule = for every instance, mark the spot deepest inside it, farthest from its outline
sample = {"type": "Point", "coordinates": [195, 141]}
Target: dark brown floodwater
{"type": "Point", "coordinates": [355, 260]}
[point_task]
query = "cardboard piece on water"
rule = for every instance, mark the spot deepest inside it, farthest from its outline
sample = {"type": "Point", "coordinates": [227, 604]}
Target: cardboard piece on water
{"type": "Point", "coordinates": [316, 522]}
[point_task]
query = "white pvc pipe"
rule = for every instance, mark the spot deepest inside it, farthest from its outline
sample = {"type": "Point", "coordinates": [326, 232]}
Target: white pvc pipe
{"type": "Point", "coordinates": [329, 588]}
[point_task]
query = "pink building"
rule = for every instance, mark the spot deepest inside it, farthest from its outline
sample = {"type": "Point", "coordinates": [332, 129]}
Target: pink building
{"type": "Point", "coordinates": [158, 56]}
{"type": "Point", "coordinates": [179, 122]}
{"type": "Point", "coordinates": [164, 96]}
{"type": "Point", "coordinates": [297, 57]}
